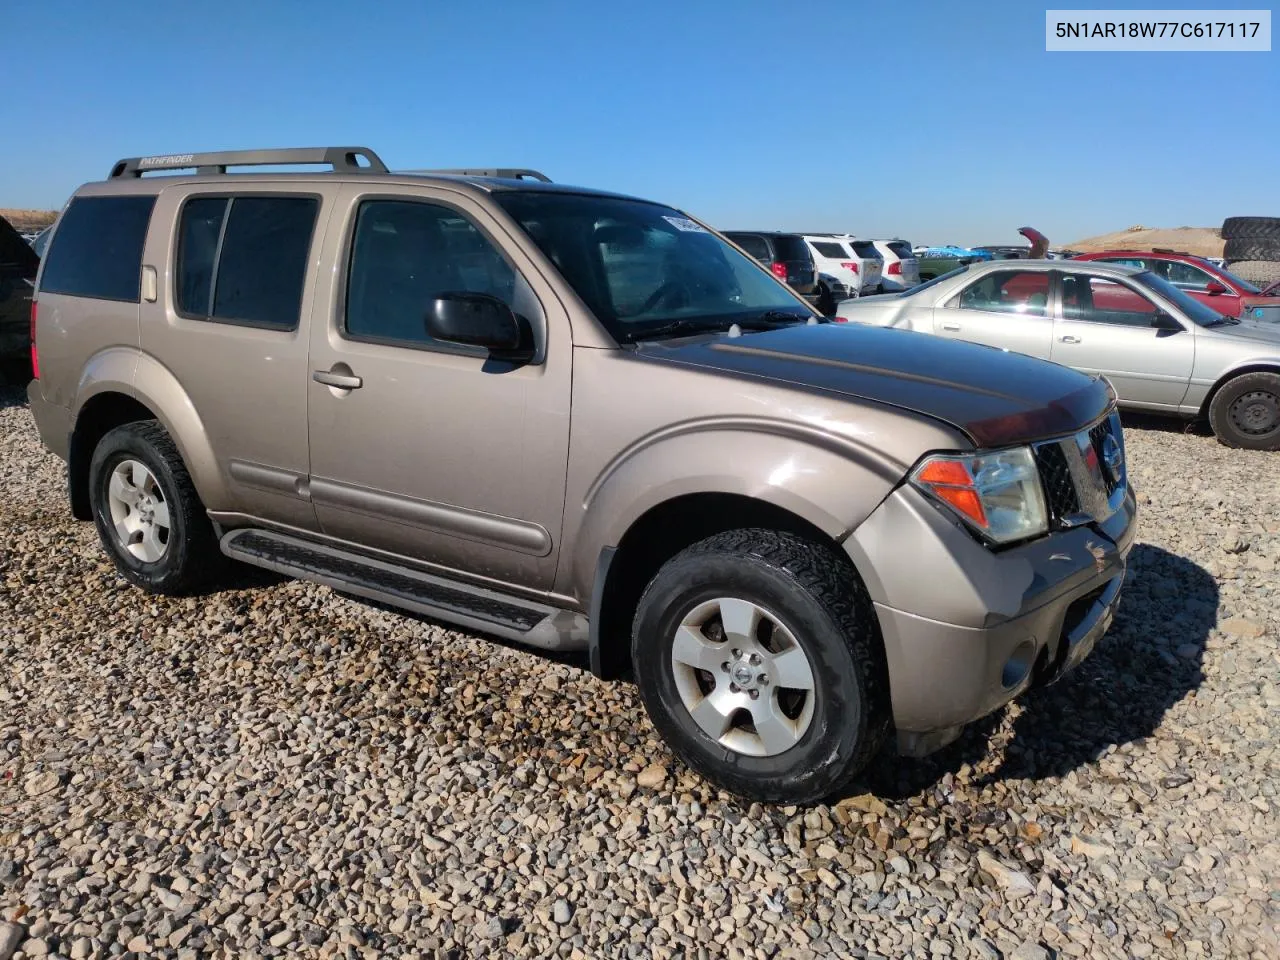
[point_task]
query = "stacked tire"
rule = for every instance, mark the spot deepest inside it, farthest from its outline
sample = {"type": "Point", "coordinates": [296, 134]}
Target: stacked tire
{"type": "Point", "coordinates": [1252, 249]}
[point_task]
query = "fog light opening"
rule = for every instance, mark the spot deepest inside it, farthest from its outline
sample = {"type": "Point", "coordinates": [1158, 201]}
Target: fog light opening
{"type": "Point", "coordinates": [1018, 666]}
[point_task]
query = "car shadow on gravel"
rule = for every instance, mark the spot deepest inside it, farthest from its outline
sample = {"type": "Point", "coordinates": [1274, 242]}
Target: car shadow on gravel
{"type": "Point", "coordinates": [1133, 419]}
{"type": "Point", "coordinates": [1148, 661]}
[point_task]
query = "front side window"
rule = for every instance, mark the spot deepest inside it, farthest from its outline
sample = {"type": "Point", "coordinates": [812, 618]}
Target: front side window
{"type": "Point", "coordinates": [1021, 292]}
{"type": "Point", "coordinates": [243, 259]}
{"type": "Point", "coordinates": [97, 248]}
{"type": "Point", "coordinates": [1099, 300]}
{"type": "Point", "coordinates": [404, 255]}
{"type": "Point", "coordinates": [643, 268]}
{"type": "Point", "coordinates": [1182, 275]}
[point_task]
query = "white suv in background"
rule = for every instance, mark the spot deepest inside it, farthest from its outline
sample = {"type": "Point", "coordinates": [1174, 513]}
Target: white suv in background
{"type": "Point", "coordinates": [901, 269]}
{"type": "Point", "coordinates": [855, 263]}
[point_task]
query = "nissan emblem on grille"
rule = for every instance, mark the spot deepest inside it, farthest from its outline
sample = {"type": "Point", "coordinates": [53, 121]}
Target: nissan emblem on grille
{"type": "Point", "coordinates": [1084, 474]}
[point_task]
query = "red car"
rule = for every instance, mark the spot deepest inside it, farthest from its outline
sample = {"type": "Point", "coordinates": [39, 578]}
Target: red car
{"type": "Point", "coordinates": [1211, 285]}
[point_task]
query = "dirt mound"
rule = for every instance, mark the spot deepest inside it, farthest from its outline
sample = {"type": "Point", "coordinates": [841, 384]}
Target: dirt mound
{"type": "Point", "coordinates": [28, 221]}
{"type": "Point", "coordinates": [1201, 241]}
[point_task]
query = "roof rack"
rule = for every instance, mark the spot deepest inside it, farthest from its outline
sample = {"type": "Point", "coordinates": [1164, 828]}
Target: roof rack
{"type": "Point", "coordinates": [341, 159]}
{"type": "Point", "coordinates": [502, 173]}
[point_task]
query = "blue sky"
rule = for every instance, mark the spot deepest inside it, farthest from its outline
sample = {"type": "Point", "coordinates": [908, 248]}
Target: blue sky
{"type": "Point", "coordinates": [935, 121]}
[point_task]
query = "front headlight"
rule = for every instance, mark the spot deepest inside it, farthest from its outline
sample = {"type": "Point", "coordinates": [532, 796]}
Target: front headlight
{"type": "Point", "coordinates": [998, 494]}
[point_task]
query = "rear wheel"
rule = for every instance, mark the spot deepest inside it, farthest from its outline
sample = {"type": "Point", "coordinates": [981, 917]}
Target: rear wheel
{"type": "Point", "coordinates": [1245, 412]}
{"type": "Point", "coordinates": [759, 661]}
{"type": "Point", "coordinates": [148, 513]}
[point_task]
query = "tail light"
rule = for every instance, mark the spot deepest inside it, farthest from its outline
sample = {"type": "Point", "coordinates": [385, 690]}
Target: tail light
{"type": "Point", "coordinates": [779, 270]}
{"type": "Point", "coordinates": [895, 269]}
{"type": "Point", "coordinates": [35, 359]}
{"type": "Point", "coordinates": [851, 266]}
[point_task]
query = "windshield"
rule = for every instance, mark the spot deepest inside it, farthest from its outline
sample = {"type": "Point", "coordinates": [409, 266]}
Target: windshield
{"type": "Point", "coordinates": [643, 268]}
{"type": "Point", "coordinates": [1240, 282]}
{"type": "Point", "coordinates": [1194, 310]}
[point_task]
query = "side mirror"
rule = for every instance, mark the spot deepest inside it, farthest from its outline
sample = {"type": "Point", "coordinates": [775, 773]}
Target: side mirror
{"type": "Point", "coordinates": [478, 320]}
{"type": "Point", "coordinates": [1213, 288]}
{"type": "Point", "coordinates": [1163, 321]}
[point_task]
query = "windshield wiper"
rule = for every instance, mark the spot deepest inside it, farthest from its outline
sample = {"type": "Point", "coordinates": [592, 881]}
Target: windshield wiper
{"type": "Point", "coordinates": [781, 316]}
{"type": "Point", "coordinates": [677, 328]}
{"type": "Point", "coordinates": [1223, 321]}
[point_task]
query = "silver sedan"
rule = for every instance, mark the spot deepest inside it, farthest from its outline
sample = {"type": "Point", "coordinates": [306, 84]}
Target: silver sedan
{"type": "Point", "coordinates": [1162, 350]}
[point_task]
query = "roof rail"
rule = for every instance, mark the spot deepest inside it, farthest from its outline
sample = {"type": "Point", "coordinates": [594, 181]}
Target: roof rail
{"type": "Point", "coordinates": [503, 173]}
{"type": "Point", "coordinates": [341, 159]}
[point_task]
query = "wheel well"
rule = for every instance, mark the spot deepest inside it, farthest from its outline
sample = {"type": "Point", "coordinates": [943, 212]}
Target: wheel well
{"type": "Point", "coordinates": [1239, 372]}
{"type": "Point", "coordinates": [655, 538]}
{"type": "Point", "coordinates": [100, 415]}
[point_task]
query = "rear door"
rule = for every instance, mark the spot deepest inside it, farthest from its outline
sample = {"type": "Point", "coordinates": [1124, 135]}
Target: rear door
{"type": "Point", "coordinates": [240, 271]}
{"type": "Point", "coordinates": [832, 258]}
{"type": "Point", "coordinates": [1002, 308]}
{"type": "Point", "coordinates": [1105, 327]}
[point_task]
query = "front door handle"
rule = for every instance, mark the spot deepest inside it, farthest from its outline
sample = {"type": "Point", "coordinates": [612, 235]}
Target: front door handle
{"type": "Point", "coordinates": [951, 326]}
{"type": "Point", "coordinates": [343, 381]}
{"type": "Point", "coordinates": [1069, 339]}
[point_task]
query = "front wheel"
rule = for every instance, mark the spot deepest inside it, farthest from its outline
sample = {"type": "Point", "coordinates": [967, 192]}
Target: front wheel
{"type": "Point", "coordinates": [759, 661]}
{"type": "Point", "coordinates": [1245, 412]}
{"type": "Point", "coordinates": [147, 511]}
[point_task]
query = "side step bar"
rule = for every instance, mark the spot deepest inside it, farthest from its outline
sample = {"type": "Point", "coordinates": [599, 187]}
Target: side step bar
{"type": "Point", "coordinates": [476, 608]}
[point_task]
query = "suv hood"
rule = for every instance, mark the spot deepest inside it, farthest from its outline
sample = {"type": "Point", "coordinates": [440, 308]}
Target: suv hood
{"type": "Point", "coordinates": [995, 397]}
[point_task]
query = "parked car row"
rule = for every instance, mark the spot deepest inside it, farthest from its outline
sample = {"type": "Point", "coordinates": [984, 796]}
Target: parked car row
{"type": "Point", "coordinates": [1171, 333]}
{"type": "Point", "coordinates": [826, 268]}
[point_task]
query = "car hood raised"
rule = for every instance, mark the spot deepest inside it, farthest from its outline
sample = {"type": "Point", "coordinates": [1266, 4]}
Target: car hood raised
{"type": "Point", "coordinates": [995, 397]}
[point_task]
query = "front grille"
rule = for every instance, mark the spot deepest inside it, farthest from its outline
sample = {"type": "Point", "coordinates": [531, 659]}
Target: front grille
{"type": "Point", "coordinates": [1055, 474]}
{"type": "Point", "coordinates": [1083, 475]}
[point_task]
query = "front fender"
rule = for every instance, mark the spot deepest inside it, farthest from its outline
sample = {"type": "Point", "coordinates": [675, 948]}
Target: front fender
{"type": "Point", "coordinates": [831, 482]}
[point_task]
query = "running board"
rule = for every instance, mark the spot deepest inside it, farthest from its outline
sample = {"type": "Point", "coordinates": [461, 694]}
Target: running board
{"type": "Point", "coordinates": [476, 608]}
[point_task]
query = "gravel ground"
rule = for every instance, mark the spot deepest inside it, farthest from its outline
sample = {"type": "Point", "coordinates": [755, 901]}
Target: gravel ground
{"type": "Point", "coordinates": [276, 770]}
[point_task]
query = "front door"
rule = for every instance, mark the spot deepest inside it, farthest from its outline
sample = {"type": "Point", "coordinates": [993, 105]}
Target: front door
{"type": "Point", "coordinates": [426, 449]}
{"type": "Point", "coordinates": [1106, 327]}
{"type": "Point", "coordinates": [1003, 308]}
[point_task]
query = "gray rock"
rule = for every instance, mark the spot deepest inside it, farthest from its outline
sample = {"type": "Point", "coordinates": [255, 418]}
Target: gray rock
{"type": "Point", "coordinates": [11, 934]}
{"type": "Point", "coordinates": [562, 913]}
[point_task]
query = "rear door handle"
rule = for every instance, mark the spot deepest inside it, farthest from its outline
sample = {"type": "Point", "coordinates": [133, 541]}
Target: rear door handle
{"type": "Point", "coordinates": [951, 326]}
{"type": "Point", "coordinates": [1069, 339]}
{"type": "Point", "coordinates": [343, 381]}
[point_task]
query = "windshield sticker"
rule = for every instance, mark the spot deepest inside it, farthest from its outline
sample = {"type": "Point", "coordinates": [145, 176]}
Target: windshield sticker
{"type": "Point", "coordinates": [685, 224]}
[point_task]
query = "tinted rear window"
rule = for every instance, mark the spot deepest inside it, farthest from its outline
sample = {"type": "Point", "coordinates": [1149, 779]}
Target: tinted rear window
{"type": "Point", "coordinates": [753, 244]}
{"type": "Point", "coordinates": [900, 249]}
{"type": "Point", "coordinates": [790, 248]}
{"type": "Point", "coordinates": [97, 248]}
{"type": "Point", "coordinates": [865, 248]}
{"type": "Point", "coordinates": [261, 258]}
{"type": "Point", "coordinates": [831, 250]}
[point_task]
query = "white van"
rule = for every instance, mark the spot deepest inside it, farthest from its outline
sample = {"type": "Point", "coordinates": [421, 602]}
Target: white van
{"type": "Point", "coordinates": [855, 263]}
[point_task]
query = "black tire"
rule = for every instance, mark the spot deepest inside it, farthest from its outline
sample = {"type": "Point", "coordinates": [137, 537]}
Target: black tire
{"type": "Point", "coordinates": [815, 593]}
{"type": "Point", "coordinates": [826, 302]}
{"type": "Point", "coordinates": [1251, 249]}
{"type": "Point", "coordinates": [1262, 273]}
{"type": "Point", "coordinates": [1245, 412]}
{"type": "Point", "coordinates": [1251, 228]}
{"type": "Point", "coordinates": [191, 557]}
